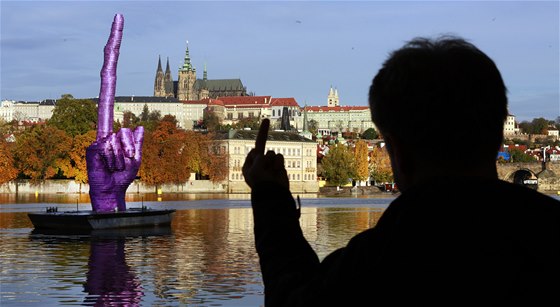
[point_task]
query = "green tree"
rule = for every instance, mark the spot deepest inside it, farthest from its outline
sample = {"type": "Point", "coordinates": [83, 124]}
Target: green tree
{"type": "Point", "coordinates": [338, 165]}
{"type": "Point", "coordinates": [247, 122]}
{"type": "Point", "coordinates": [518, 155]}
{"type": "Point", "coordinates": [313, 126]}
{"type": "Point", "coordinates": [149, 119]}
{"type": "Point", "coordinates": [40, 151]}
{"type": "Point", "coordinates": [74, 116]}
{"type": "Point", "coordinates": [370, 134]}
{"type": "Point", "coordinates": [536, 126]}
{"type": "Point", "coordinates": [145, 115]}
{"type": "Point", "coordinates": [361, 161]}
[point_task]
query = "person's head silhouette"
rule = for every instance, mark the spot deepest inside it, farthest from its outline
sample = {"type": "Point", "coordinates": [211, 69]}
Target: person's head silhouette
{"type": "Point", "coordinates": [440, 105]}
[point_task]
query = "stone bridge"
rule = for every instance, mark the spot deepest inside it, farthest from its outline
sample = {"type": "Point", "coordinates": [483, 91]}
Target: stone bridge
{"type": "Point", "coordinates": [547, 175]}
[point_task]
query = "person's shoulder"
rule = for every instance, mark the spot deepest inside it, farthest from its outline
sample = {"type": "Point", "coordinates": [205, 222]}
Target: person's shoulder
{"type": "Point", "coordinates": [525, 197]}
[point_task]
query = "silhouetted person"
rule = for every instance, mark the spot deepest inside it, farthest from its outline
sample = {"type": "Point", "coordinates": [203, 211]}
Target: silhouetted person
{"type": "Point", "coordinates": [456, 235]}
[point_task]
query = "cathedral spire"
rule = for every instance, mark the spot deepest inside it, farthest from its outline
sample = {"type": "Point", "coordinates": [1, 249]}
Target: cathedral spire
{"type": "Point", "coordinates": [187, 64]}
{"type": "Point", "coordinates": [167, 69]}
{"type": "Point", "coordinates": [168, 81]}
{"type": "Point", "coordinates": [205, 74]}
{"type": "Point", "coordinates": [159, 65]}
{"type": "Point", "coordinates": [159, 88]}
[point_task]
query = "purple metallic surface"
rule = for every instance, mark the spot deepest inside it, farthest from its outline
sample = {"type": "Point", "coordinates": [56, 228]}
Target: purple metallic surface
{"type": "Point", "coordinates": [110, 281]}
{"type": "Point", "coordinates": [113, 159]}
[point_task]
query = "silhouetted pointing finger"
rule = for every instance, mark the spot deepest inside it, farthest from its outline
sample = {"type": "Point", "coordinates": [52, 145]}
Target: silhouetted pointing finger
{"type": "Point", "coordinates": [260, 143]}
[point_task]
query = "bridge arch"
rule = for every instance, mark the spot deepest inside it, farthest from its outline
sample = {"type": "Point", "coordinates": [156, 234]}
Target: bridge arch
{"type": "Point", "coordinates": [523, 176]}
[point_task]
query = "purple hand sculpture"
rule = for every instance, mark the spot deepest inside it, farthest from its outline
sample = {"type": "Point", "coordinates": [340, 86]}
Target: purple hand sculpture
{"type": "Point", "coordinates": [113, 159]}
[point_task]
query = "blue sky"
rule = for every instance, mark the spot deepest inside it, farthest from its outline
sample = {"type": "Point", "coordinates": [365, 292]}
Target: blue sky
{"type": "Point", "coordinates": [283, 49]}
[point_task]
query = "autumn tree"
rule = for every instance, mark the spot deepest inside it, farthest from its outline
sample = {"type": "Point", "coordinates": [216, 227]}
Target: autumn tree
{"type": "Point", "coordinates": [361, 161]}
{"type": "Point", "coordinates": [380, 165]}
{"type": "Point", "coordinates": [214, 159]}
{"type": "Point", "coordinates": [74, 116]}
{"type": "Point", "coordinates": [338, 165]}
{"type": "Point", "coordinates": [211, 121]}
{"type": "Point", "coordinates": [130, 120]}
{"type": "Point", "coordinates": [75, 165]}
{"type": "Point", "coordinates": [165, 155]}
{"type": "Point", "coordinates": [39, 151]}
{"type": "Point", "coordinates": [7, 170]}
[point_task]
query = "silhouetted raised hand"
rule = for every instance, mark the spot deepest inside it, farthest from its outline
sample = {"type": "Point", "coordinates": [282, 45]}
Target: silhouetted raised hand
{"type": "Point", "coordinates": [261, 167]}
{"type": "Point", "coordinates": [113, 159]}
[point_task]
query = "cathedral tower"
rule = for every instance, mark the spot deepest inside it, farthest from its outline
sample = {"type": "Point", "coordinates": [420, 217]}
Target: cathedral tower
{"type": "Point", "coordinates": [186, 79]}
{"type": "Point", "coordinates": [159, 87]}
{"type": "Point", "coordinates": [168, 81]}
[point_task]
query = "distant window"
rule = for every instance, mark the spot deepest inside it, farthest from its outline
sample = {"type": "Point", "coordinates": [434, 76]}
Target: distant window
{"type": "Point", "coordinates": [240, 115]}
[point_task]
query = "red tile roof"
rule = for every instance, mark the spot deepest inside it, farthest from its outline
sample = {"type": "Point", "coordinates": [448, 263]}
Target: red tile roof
{"type": "Point", "coordinates": [213, 102]}
{"type": "Point", "coordinates": [284, 102]}
{"type": "Point", "coordinates": [241, 101]}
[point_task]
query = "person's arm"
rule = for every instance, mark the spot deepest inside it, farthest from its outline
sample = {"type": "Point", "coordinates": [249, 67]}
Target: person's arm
{"type": "Point", "coordinates": [288, 263]}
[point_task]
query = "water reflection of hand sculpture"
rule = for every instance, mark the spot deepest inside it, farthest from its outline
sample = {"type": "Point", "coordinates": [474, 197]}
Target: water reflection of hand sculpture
{"type": "Point", "coordinates": [113, 159]}
{"type": "Point", "coordinates": [110, 280]}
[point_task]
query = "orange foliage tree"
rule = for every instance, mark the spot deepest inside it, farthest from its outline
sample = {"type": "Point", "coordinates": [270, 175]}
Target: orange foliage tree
{"type": "Point", "coordinates": [39, 151]}
{"type": "Point", "coordinates": [361, 160]}
{"type": "Point", "coordinates": [380, 165]}
{"type": "Point", "coordinates": [7, 170]}
{"type": "Point", "coordinates": [74, 166]}
{"type": "Point", "coordinates": [170, 155]}
{"type": "Point", "coordinates": [214, 159]}
{"type": "Point", "coordinates": [165, 155]}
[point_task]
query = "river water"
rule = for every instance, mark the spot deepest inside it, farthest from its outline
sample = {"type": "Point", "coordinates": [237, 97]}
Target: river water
{"type": "Point", "coordinates": [205, 258]}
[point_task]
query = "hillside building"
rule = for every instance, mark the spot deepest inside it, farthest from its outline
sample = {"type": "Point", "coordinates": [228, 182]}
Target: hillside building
{"type": "Point", "coordinates": [189, 87]}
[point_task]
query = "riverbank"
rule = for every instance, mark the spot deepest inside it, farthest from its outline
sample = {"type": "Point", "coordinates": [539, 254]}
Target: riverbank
{"type": "Point", "coordinates": [354, 191]}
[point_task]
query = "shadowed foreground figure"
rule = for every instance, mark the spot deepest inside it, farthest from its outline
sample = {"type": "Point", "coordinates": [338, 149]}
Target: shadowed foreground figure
{"type": "Point", "coordinates": [456, 235]}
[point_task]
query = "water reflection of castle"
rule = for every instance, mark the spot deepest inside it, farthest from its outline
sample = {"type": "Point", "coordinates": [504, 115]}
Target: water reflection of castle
{"type": "Point", "coordinates": [188, 87]}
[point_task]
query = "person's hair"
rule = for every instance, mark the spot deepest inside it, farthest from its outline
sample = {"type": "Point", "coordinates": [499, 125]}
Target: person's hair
{"type": "Point", "coordinates": [435, 94]}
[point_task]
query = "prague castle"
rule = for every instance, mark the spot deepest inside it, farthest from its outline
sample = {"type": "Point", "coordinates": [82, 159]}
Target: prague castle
{"type": "Point", "coordinates": [188, 87]}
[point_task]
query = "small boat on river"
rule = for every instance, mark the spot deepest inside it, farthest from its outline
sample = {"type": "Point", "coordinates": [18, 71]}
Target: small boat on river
{"type": "Point", "coordinates": [91, 220]}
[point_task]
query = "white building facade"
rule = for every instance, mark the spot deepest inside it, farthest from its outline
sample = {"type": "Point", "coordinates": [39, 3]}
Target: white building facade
{"type": "Point", "coordinates": [300, 156]}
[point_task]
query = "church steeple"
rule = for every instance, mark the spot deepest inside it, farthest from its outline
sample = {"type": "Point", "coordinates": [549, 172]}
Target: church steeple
{"type": "Point", "coordinates": [168, 81]}
{"type": "Point", "coordinates": [187, 63]}
{"type": "Point", "coordinates": [186, 79]}
{"type": "Point", "coordinates": [159, 87]}
{"type": "Point", "coordinates": [305, 131]}
{"type": "Point", "coordinates": [205, 73]}
{"type": "Point", "coordinates": [167, 69]}
{"type": "Point", "coordinates": [159, 65]}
